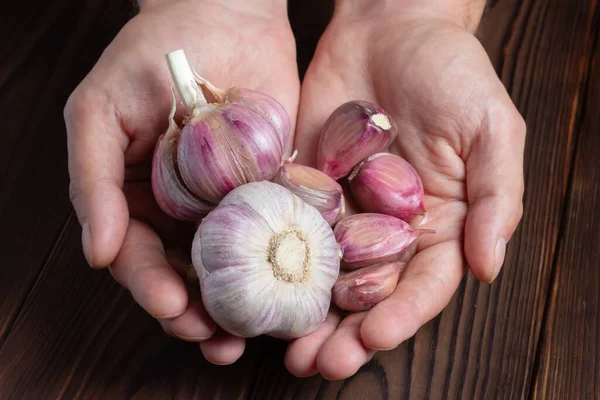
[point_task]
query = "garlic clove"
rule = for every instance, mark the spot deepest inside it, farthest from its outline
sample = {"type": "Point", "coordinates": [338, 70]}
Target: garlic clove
{"type": "Point", "coordinates": [231, 136]}
{"type": "Point", "coordinates": [171, 194]}
{"type": "Point", "coordinates": [386, 183]}
{"type": "Point", "coordinates": [269, 108]}
{"type": "Point", "coordinates": [362, 289]}
{"type": "Point", "coordinates": [315, 188]}
{"type": "Point", "coordinates": [263, 104]}
{"type": "Point", "coordinates": [353, 132]}
{"type": "Point", "coordinates": [370, 238]}
{"type": "Point", "coordinates": [226, 148]}
{"type": "Point", "coordinates": [267, 262]}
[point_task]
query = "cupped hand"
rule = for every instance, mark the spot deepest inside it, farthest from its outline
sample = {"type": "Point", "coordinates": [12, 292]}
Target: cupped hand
{"type": "Point", "coordinates": [458, 127]}
{"type": "Point", "coordinates": [113, 120]}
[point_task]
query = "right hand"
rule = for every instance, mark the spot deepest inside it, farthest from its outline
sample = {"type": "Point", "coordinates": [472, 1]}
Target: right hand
{"type": "Point", "coordinates": [114, 118]}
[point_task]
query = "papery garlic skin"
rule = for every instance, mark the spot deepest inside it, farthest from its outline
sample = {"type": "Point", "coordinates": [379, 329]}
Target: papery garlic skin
{"type": "Point", "coordinates": [266, 262]}
{"type": "Point", "coordinates": [386, 183]}
{"type": "Point", "coordinates": [269, 108]}
{"type": "Point", "coordinates": [171, 194]}
{"type": "Point", "coordinates": [353, 132]}
{"type": "Point", "coordinates": [227, 147]}
{"type": "Point", "coordinates": [315, 188]}
{"type": "Point", "coordinates": [265, 105]}
{"type": "Point", "coordinates": [231, 137]}
{"type": "Point", "coordinates": [362, 289]}
{"type": "Point", "coordinates": [370, 238]}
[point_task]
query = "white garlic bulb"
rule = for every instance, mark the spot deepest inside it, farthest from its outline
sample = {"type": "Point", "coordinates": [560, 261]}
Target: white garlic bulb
{"type": "Point", "coordinates": [267, 262]}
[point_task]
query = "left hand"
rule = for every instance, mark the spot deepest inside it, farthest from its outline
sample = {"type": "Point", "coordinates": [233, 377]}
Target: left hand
{"type": "Point", "coordinates": [461, 132]}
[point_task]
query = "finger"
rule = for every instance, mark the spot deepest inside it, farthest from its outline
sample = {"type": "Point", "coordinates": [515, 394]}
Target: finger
{"type": "Point", "coordinates": [223, 348]}
{"type": "Point", "coordinates": [301, 354]}
{"type": "Point", "coordinates": [424, 289]}
{"type": "Point", "coordinates": [142, 268]}
{"type": "Point", "coordinates": [495, 190]}
{"type": "Point", "coordinates": [194, 325]}
{"type": "Point", "coordinates": [342, 355]}
{"type": "Point", "coordinates": [96, 145]}
{"type": "Point", "coordinates": [143, 206]}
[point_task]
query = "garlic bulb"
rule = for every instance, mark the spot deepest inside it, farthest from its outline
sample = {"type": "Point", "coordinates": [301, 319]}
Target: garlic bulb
{"type": "Point", "coordinates": [229, 138]}
{"type": "Point", "coordinates": [353, 132]}
{"type": "Point", "coordinates": [314, 187]}
{"type": "Point", "coordinates": [267, 262]}
{"type": "Point", "coordinates": [369, 238]}
{"type": "Point", "coordinates": [386, 183]}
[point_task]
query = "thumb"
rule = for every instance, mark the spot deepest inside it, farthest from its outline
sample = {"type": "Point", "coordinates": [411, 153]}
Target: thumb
{"type": "Point", "coordinates": [96, 147]}
{"type": "Point", "coordinates": [495, 186]}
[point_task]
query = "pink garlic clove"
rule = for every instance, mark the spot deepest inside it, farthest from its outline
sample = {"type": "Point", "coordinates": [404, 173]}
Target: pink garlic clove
{"type": "Point", "coordinates": [171, 194]}
{"type": "Point", "coordinates": [270, 109]}
{"type": "Point", "coordinates": [225, 148]}
{"type": "Point", "coordinates": [369, 238]}
{"type": "Point", "coordinates": [386, 183]}
{"type": "Point", "coordinates": [353, 132]}
{"type": "Point", "coordinates": [262, 103]}
{"type": "Point", "coordinates": [314, 187]}
{"type": "Point", "coordinates": [363, 288]}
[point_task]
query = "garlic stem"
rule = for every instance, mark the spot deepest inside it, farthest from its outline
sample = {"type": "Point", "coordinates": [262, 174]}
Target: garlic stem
{"type": "Point", "coordinates": [184, 80]}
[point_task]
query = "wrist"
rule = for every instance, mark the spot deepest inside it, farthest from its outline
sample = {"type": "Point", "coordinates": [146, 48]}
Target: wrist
{"type": "Point", "coordinates": [272, 8]}
{"type": "Point", "coordinates": [464, 13]}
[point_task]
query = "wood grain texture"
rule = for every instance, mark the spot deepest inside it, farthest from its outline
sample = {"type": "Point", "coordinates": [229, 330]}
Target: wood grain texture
{"type": "Point", "coordinates": [67, 331]}
{"type": "Point", "coordinates": [37, 74]}
{"type": "Point", "coordinates": [569, 357]}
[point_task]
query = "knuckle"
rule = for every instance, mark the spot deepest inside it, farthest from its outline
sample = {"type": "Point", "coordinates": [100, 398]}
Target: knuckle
{"type": "Point", "coordinates": [520, 124]}
{"type": "Point", "coordinates": [73, 105]}
{"type": "Point", "coordinates": [74, 191]}
{"type": "Point", "coordinates": [520, 211]}
{"type": "Point", "coordinates": [514, 125]}
{"type": "Point", "coordinates": [518, 215]}
{"type": "Point", "coordinates": [81, 102]}
{"type": "Point", "coordinates": [504, 120]}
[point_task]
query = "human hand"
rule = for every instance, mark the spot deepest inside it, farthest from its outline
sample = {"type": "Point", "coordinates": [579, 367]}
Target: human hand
{"type": "Point", "coordinates": [456, 125]}
{"type": "Point", "coordinates": [114, 118]}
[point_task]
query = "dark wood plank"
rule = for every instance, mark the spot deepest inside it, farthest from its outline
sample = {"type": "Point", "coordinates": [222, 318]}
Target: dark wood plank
{"type": "Point", "coordinates": [80, 335]}
{"type": "Point", "coordinates": [569, 357]}
{"type": "Point", "coordinates": [36, 76]}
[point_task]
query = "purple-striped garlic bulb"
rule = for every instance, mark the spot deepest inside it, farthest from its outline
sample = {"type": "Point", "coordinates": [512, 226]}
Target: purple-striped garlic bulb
{"type": "Point", "coordinates": [354, 131]}
{"type": "Point", "coordinates": [267, 262]}
{"type": "Point", "coordinates": [229, 138]}
{"type": "Point", "coordinates": [386, 183]}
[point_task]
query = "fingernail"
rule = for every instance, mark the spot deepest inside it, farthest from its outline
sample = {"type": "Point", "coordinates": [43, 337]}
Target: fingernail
{"type": "Point", "coordinates": [191, 338]}
{"type": "Point", "coordinates": [86, 241]}
{"type": "Point", "coordinates": [499, 253]}
{"type": "Point", "coordinates": [381, 348]}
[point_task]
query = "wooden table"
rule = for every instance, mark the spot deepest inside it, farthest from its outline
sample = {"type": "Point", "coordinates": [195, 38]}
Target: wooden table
{"type": "Point", "coordinates": [67, 331]}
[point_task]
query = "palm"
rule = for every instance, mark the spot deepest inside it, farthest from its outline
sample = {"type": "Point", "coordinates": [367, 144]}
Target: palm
{"type": "Point", "coordinates": [437, 83]}
{"type": "Point", "coordinates": [117, 114]}
{"type": "Point", "coordinates": [218, 52]}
